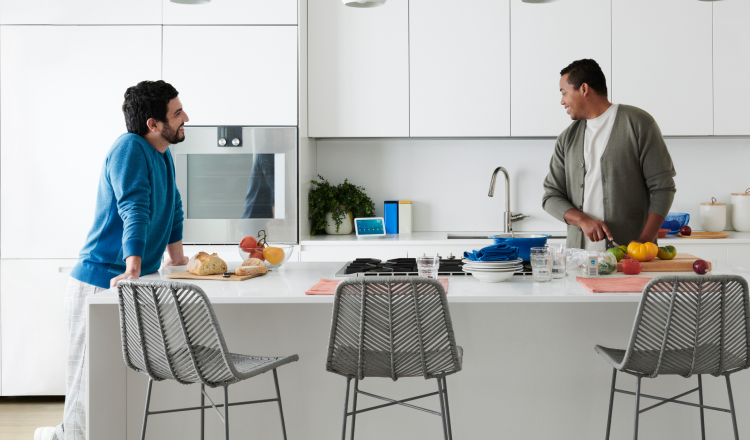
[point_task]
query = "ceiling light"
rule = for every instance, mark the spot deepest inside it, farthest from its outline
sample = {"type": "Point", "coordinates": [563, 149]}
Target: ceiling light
{"type": "Point", "coordinates": [362, 3]}
{"type": "Point", "coordinates": [191, 2]}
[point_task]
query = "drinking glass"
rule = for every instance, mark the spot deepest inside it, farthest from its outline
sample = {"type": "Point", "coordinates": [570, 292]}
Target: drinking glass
{"type": "Point", "coordinates": [541, 264]}
{"type": "Point", "coordinates": [428, 266]}
{"type": "Point", "coordinates": [559, 259]}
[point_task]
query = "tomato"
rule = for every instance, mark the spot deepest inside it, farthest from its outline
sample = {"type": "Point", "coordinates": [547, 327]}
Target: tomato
{"type": "Point", "coordinates": [667, 252]}
{"type": "Point", "coordinates": [643, 251]}
{"type": "Point", "coordinates": [249, 242]}
{"type": "Point", "coordinates": [256, 253]}
{"type": "Point", "coordinates": [274, 255]}
{"type": "Point", "coordinates": [631, 266]}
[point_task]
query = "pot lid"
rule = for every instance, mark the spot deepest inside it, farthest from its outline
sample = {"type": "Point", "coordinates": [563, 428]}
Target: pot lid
{"type": "Point", "coordinates": [713, 202]}
{"type": "Point", "coordinates": [746, 193]}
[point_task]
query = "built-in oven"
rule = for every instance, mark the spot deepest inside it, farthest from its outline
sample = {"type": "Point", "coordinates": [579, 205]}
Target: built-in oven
{"type": "Point", "coordinates": [235, 181]}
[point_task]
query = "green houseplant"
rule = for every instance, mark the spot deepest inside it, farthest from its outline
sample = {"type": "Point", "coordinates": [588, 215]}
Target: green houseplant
{"type": "Point", "coordinates": [337, 200]}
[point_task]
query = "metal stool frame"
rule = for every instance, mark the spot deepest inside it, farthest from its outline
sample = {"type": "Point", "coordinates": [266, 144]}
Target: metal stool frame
{"type": "Point", "coordinates": [686, 325]}
{"type": "Point", "coordinates": [169, 331]}
{"type": "Point", "coordinates": [393, 327]}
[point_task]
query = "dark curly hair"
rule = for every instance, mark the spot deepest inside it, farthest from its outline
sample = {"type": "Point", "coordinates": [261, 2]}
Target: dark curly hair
{"type": "Point", "coordinates": [586, 71]}
{"type": "Point", "coordinates": [146, 100]}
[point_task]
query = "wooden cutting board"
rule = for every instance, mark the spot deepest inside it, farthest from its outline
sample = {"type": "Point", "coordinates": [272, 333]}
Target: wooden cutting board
{"type": "Point", "coordinates": [705, 235]}
{"type": "Point", "coordinates": [680, 263]}
{"type": "Point", "coordinates": [189, 276]}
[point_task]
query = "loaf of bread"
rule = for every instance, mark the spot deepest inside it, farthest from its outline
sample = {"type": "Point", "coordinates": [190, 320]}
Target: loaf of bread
{"type": "Point", "coordinates": [204, 264]}
{"type": "Point", "coordinates": [251, 270]}
{"type": "Point", "coordinates": [253, 262]}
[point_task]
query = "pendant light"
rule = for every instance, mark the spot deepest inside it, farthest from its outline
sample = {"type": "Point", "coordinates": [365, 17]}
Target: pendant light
{"type": "Point", "coordinates": [362, 3]}
{"type": "Point", "coordinates": [191, 2]}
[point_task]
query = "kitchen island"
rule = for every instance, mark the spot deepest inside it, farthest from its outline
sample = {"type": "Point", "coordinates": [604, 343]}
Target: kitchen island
{"type": "Point", "coordinates": [529, 372]}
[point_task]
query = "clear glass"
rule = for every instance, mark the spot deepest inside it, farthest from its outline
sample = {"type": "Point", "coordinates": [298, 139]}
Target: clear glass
{"type": "Point", "coordinates": [541, 264]}
{"type": "Point", "coordinates": [428, 266]}
{"type": "Point", "coordinates": [559, 259]}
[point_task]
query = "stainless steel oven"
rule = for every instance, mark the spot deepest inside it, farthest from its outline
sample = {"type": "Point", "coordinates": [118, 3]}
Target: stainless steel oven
{"type": "Point", "coordinates": [235, 181]}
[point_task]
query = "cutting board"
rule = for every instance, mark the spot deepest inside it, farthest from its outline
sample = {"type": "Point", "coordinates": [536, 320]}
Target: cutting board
{"type": "Point", "coordinates": [189, 276]}
{"type": "Point", "coordinates": [680, 263]}
{"type": "Point", "coordinates": [705, 235]}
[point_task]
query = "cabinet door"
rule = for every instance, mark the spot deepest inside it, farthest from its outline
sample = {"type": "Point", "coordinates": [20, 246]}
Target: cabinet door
{"type": "Point", "coordinates": [358, 71]}
{"type": "Point", "coordinates": [545, 38]}
{"type": "Point", "coordinates": [234, 75]}
{"type": "Point", "coordinates": [81, 12]}
{"type": "Point", "coordinates": [232, 12]}
{"type": "Point", "coordinates": [662, 62]}
{"type": "Point", "coordinates": [731, 64]}
{"type": "Point", "coordinates": [61, 91]}
{"type": "Point", "coordinates": [459, 68]}
{"type": "Point", "coordinates": [34, 328]}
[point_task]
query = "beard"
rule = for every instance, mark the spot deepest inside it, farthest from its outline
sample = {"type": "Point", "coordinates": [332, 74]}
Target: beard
{"type": "Point", "coordinates": [172, 136]}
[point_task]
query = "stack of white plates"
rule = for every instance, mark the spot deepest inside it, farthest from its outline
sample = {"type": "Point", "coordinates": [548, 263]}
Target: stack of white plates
{"type": "Point", "coordinates": [492, 271]}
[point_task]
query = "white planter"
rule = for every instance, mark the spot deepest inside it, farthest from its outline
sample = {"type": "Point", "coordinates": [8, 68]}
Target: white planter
{"type": "Point", "coordinates": [344, 228]}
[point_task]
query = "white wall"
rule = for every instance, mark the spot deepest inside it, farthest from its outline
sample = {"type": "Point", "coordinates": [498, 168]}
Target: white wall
{"type": "Point", "coordinates": [448, 179]}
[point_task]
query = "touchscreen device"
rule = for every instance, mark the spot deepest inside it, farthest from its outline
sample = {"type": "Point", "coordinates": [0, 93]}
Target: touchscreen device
{"type": "Point", "coordinates": [369, 227]}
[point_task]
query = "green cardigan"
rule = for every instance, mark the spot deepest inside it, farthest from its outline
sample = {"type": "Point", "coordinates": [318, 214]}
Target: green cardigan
{"type": "Point", "coordinates": [637, 175]}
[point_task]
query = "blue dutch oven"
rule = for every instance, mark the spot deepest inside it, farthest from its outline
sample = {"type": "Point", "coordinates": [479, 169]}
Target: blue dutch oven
{"type": "Point", "coordinates": [524, 242]}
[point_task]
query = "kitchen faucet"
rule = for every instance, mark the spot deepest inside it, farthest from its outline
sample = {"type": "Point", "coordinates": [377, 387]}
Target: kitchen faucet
{"type": "Point", "coordinates": [508, 217]}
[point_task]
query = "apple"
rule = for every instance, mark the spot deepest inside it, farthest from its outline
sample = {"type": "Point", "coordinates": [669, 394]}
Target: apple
{"type": "Point", "coordinates": [700, 267]}
{"type": "Point", "coordinates": [685, 230]}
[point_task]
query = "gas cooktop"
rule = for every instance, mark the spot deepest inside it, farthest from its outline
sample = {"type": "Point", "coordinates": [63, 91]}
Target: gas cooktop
{"type": "Point", "coordinates": [399, 267]}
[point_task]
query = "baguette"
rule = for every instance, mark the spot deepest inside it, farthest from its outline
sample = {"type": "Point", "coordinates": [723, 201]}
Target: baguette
{"type": "Point", "coordinates": [204, 264]}
{"type": "Point", "coordinates": [253, 262]}
{"type": "Point", "coordinates": [251, 270]}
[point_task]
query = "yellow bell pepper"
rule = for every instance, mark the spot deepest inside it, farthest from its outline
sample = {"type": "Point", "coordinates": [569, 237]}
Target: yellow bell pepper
{"type": "Point", "coordinates": [643, 251]}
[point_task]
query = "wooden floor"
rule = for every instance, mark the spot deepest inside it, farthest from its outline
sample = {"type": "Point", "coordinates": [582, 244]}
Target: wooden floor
{"type": "Point", "coordinates": [20, 416]}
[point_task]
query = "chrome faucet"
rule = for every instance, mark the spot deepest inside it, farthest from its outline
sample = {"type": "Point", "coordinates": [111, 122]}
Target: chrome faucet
{"type": "Point", "coordinates": [508, 217]}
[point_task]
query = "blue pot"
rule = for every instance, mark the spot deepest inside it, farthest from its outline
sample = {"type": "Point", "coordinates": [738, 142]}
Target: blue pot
{"type": "Point", "coordinates": [524, 242]}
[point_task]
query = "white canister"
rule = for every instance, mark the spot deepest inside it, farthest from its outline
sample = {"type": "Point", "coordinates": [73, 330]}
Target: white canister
{"type": "Point", "coordinates": [741, 211]}
{"type": "Point", "coordinates": [713, 216]}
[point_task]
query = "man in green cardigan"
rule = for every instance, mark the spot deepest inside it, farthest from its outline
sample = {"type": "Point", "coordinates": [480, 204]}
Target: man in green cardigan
{"type": "Point", "coordinates": [611, 176]}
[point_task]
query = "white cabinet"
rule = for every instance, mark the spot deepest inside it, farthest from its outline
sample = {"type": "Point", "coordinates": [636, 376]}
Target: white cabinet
{"type": "Point", "coordinates": [545, 38]}
{"type": "Point", "coordinates": [233, 75]}
{"type": "Point", "coordinates": [61, 91]}
{"type": "Point", "coordinates": [80, 12]}
{"type": "Point", "coordinates": [34, 328]}
{"type": "Point", "coordinates": [226, 12]}
{"type": "Point", "coordinates": [459, 68]}
{"type": "Point", "coordinates": [358, 67]}
{"type": "Point", "coordinates": [731, 64]}
{"type": "Point", "coordinates": [662, 62]}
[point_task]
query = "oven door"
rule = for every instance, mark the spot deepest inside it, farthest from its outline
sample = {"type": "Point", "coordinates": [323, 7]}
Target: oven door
{"type": "Point", "coordinates": [229, 192]}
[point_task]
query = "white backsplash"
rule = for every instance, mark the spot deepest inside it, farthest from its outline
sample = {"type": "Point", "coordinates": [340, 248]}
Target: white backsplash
{"type": "Point", "coordinates": [448, 180]}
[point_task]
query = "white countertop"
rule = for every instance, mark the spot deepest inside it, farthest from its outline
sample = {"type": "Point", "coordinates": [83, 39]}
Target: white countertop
{"type": "Point", "coordinates": [289, 283]}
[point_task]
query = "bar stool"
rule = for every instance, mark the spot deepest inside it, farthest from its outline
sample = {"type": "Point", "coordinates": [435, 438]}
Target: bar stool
{"type": "Point", "coordinates": [169, 331]}
{"type": "Point", "coordinates": [686, 325]}
{"type": "Point", "coordinates": [393, 327]}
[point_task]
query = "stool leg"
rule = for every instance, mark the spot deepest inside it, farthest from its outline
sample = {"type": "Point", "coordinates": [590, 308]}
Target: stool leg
{"type": "Point", "coordinates": [442, 408]}
{"type": "Point", "coordinates": [731, 406]}
{"type": "Point", "coordinates": [346, 408]}
{"type": "Point", "coordinates": [226, 412]}
{"type": "Point", "coordinates": [637, 407]}
{"type": "Point", "coordinates": [700, 400]}
{"type": "Point", "coordinates": [145, 412]}
{"type": "Point", "coordinates": [278, 396]}
{"type": "Point", "coordinates": [612, 401]}
{"type": "Point", "coordinates": [354, 405]}
{"type": "Point", "coordinates": [447, 408]}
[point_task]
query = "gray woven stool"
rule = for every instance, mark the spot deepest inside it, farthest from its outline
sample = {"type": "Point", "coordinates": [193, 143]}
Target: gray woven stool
{"type": "Point", "coordinates": [169, 331]}
{"type": "Point", "coordinates": [686, 325]}
{"type": "Point", "coordinates": [393, 327]}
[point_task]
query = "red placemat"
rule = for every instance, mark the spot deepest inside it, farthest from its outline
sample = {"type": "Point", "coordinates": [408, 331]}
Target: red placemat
{"type": "Point", "coordinates": [614, 285]}
{"type": "Point", "coordinates": [328, 287]}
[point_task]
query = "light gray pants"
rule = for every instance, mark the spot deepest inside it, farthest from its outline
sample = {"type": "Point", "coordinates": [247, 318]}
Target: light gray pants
{"type": "Point", "coordinates": [74, 415]}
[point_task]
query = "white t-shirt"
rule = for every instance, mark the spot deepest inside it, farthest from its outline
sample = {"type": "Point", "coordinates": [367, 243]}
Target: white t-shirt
{"type": "Point", "coordinates": [594, 142]}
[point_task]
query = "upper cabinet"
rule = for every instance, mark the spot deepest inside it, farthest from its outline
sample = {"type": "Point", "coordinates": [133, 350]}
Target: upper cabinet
{"type": "Point", "coordinates": [358, 70]}
{"type": "Point", "coordinates": [662, 62]}
{"type": "Point", "coordinates": [233, 75]}
{"type": "Point", "coordinates": [80, 12]}
{"type": "Point", "coordinates": [223, 12]}
{"type": "Point", "coordinates": [545, 38]}
{"type": "Point", "coordinates": [731, 66]}
{"type": "Point", "coordinates": [459, 68]}
{"type": "Point", "coordinates": [65, 86]}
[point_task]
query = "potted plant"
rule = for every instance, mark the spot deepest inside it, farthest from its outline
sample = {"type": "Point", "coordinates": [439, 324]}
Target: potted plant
{"type": "Point", "coordinates": [336, 201]}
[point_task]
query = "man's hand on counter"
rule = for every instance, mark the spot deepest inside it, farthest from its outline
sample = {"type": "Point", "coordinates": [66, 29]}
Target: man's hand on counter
{"type": "Point", "coordinates": [595, 230]}
{"type": "Point", "coordinates": [132, 270]}
{"type": "Point", "coordinates": [176, 255]}
{"type": "Point", "coordinates": [653, 223]}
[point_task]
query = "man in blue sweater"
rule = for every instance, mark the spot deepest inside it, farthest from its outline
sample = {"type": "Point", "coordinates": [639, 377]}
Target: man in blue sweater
{"type": "Point", "coordinates": [138, 215]}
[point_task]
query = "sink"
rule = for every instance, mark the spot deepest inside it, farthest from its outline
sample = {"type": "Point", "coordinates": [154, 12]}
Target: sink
{"type": "Point", "coordinates": [485, 237]}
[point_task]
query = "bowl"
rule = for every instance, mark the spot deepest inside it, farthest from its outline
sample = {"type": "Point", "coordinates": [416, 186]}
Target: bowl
{"type": "Point", "coordinates": [675, 221]}
{"type": "Point", "coordinates": [491, 277]}
{"type": "Point", "coordinates": [287, 249]}
{"type": "Point", "coordinates": [662, 233]}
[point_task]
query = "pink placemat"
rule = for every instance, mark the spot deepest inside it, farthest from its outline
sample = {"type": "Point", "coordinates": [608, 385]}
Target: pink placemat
{"type": "Point", "coordinates": [328, 287]}
{"type": "Point", "coordinates": [614, 285]}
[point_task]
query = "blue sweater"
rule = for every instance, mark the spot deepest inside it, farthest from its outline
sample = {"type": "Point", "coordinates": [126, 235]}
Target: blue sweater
{"type": "Point", "coordinates": [138, 212]}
